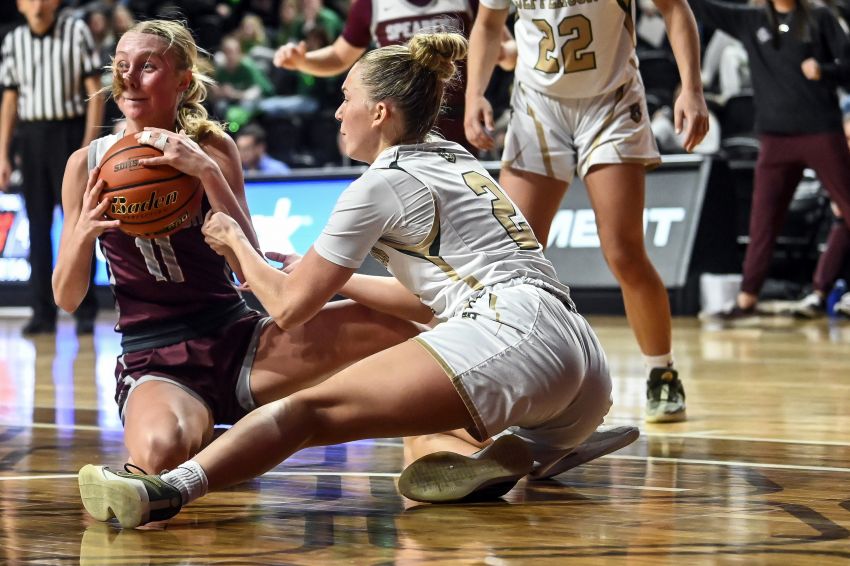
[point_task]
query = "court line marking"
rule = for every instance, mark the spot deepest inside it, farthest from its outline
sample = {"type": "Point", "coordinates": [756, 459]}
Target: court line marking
{"type": "Point", "coordinates": [728, 463]}
{"type": "Point", "coordinates": [710, 435]}
{"type": "Point", "coordinates": [391, 475]}
{"type": "Point", "coordinates": [705, 434]}
{"type": "Point", "coordinates": [44, 477]}
{"type": "Point", "coordinates": [648, 459]}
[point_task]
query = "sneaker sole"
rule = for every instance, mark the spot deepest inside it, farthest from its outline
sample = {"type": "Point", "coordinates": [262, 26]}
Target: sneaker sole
{"type": "Point", "coordinates": [105, 499]}
{"type": "Point", "coordinates": [444, 477]}
{"type": "Point", "coordinates": [604, 443]}
{"type": "Point", "coordinates": [677, 417]}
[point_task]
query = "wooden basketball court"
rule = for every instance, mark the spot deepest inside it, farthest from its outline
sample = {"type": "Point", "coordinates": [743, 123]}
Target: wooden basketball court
{"type": "Point", "coordinates": [760, 474]}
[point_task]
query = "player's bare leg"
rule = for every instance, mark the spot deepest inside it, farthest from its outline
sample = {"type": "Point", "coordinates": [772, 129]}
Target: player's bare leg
{"type": "Point", "coordinates": [617, 194]}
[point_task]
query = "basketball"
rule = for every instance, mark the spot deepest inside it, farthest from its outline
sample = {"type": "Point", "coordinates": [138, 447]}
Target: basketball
{"type": "Point", "coordinates": [150, 202]}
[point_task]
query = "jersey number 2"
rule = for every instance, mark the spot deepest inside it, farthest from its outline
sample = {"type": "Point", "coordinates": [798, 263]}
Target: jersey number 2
{"type": "Point", "coordinates": [175, 274]}
{"type": "Point", "coordinates": [503, 210]}
{"type": "Point", "coordinates": [579, 36]}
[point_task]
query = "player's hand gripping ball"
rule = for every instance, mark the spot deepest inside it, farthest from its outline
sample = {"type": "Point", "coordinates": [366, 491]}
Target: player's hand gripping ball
{"type": "Point", "coordinates": [150, 202]}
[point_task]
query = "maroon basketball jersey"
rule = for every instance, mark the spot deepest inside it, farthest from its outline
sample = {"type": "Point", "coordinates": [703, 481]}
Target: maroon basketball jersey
{"type": "Point", "coordinates": [178, 278]}
{"type": "Point", "coordinates": [166, 278]}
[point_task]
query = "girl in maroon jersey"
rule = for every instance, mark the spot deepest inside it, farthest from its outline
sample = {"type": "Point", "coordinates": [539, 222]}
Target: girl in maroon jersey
{"type": "Point", "coordinates": [193, 354]}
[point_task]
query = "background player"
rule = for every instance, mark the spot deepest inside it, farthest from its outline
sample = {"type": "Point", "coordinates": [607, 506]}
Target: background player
{"type": "Point", "coordinates": [511, 350]}
{"type": "Point", "coordinates": [579, 107]}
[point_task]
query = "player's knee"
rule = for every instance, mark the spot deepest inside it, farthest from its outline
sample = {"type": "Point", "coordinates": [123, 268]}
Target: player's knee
{"type": "Point", "coordinates": [163, 447]}
{"type": "Point", "coordinates": [629, 264]}
{"type": "Point", "coordinates": [320, 417]}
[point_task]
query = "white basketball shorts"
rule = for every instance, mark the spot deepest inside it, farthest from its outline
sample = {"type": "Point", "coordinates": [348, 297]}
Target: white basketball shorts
{"type": "Point", "coordinates": [521, 358]}
{"type": "Point", "coordinates": [557, 137]}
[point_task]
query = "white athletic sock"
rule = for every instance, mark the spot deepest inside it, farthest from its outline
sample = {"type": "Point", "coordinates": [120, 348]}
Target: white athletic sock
{"type": "Point", "coordinates": [190, 479]}
{"type": "Point", "coordinates": [662, 361]}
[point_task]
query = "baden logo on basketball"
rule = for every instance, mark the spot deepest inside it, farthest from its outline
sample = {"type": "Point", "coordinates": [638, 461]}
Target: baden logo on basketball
{"type": "Point", "coordinates": [120, 206]}
{"type": "Point", "coordinates": [150, 201]}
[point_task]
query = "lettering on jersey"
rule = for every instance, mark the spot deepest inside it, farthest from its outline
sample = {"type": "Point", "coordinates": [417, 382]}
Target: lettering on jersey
{"type": "Point", "coordinates": [550, 4]}
{"type": "Point", "coordinates": [401, 31]}
{"type": "Point", "coordinates": [577, 228]}
{"type": "Point", "coordinates": [120, 205]}
{"type": "Point", "coordinates": [380, 256]}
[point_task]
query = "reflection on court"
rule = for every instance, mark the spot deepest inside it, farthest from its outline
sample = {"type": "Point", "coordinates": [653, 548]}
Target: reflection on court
{"type": "Point", "coordinates": [756, 476]}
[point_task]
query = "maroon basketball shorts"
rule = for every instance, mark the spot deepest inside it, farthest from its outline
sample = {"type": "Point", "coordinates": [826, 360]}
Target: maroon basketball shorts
{"type": "Point", "coordinates": [214, 368]}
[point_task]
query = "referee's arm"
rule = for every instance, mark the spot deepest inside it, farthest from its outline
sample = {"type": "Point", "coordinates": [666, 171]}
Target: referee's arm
{"type": "Point", "coordinates": [8, 117]}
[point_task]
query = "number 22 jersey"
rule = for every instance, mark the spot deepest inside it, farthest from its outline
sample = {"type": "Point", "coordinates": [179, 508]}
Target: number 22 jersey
{"type": "Point", "coordinates": [573, 48]}
{"type": "Point", "coordinates": [433, 216]}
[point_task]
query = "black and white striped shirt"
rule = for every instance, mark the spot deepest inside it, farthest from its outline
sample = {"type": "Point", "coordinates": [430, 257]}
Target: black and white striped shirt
{"type": "Point", "coordinates": [48, 71]}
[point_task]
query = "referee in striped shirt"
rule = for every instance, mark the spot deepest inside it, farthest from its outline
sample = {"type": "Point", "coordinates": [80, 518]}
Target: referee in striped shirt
{"type": "Point", "coordinates": [50, 76]}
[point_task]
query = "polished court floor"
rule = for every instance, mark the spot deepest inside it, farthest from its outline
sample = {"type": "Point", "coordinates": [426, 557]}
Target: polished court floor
{"type": "Point", "coordinates": [759, 474]}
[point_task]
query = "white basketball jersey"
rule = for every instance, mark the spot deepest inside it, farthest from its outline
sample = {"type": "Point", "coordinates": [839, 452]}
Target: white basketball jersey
{"type": "Point", "coordinates": [573, 48]}
{"type": "Point", "coordinates": [469, 236]}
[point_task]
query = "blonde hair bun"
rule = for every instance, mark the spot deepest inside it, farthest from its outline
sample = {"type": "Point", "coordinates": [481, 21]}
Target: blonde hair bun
{"type": "Point", "coordinates": [438, 52]}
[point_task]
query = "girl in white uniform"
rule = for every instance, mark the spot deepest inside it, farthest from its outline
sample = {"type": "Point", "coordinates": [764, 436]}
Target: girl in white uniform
{"type": "Point", "coordinates": [510, 353]}
{"type": "Point", "coordinates": [579, 107]}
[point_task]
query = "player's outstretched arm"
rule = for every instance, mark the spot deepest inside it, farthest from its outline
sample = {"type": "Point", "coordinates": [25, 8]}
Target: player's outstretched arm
{"type": "Point", "coordinates": [84, 222]}
{"type": "Point", "coordinates": [383, 294]}
{"type": "Point", "coordinates": [386, 295]}
{"type": "Point", "coordinates": [291, 299]}
{"type": "Point", "coordinates": [690, 112]}
{"type": "Point", "coordinates": [485, 48]}
{"type": "Point", "coordinates": [328, 61]}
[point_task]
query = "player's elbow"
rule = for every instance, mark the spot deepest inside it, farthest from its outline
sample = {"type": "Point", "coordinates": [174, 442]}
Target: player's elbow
{"type": "Point", "coordinates": [287, 318]}
{"type": "Point", "coordinates": [65, 299]}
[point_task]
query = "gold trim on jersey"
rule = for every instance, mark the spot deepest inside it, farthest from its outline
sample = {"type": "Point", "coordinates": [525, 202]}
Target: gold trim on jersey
{"type": "Point", "coordinates": [429, 250]}
{"type": "Point", "coordinates": [493, 299]}
{"type": "Point", "coordinates": [621, 93]}
{"type": "Point", "coordinates": [541, 139]}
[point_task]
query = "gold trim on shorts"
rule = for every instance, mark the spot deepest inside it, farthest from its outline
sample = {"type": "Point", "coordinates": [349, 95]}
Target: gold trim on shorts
{"type": "Point", "coordinates": [480, 431]}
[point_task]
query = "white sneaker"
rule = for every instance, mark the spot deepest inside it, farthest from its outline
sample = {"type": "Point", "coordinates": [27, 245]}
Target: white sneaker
{"type": "Point", "coordinates": [842, 307]}
{"type": "Point", "coordinates": [809, 307]}
{"type": "Point", "coordinates": [443, 477]}
{"type": "Point", "coordinates": [602, 442]}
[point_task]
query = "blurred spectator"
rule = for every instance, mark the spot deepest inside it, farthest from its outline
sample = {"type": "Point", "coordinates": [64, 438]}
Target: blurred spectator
{"type": "Point", "coordinates": [388, 22]}
{"type": "Point", "coordinates": [98, 18]}
{"type": "Point", "coordinates": [251, 33]}
{"type": "Point", "coordinates": [122, 20]}
{"type": "Point", "coordinates": [241, 85]}
{"type": "Point", "coordinates": [315, 14]}
{"type": "Point", "coordinates": [308, 93]}
{"type": "Point", "coordinates": [254, 41]}
{"type": "Point", "coordinates": [798, 54]}
{"type": "Point", "coordinates": [725, 63]}
{"type": "Point", "coordinates": [251, 141]}
{"type": "Point", "coordinates": [289, 28]}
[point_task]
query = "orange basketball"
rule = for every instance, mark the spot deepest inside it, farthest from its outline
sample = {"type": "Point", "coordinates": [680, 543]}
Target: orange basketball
{"type": "Point", "coordinates": [150, 202]}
